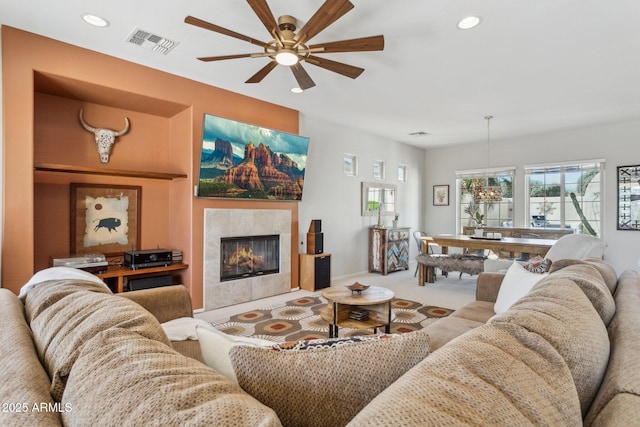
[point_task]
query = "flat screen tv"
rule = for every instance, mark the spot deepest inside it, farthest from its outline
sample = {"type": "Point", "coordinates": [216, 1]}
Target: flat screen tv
{"type": "Point", "coordinates": [243, 161]}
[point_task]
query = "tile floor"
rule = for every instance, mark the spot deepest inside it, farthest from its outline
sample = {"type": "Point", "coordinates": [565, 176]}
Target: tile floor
{"type": "Point", "coordinates": [450, 292]}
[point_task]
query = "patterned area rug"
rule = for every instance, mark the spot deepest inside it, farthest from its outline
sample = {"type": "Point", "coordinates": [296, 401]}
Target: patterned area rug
{"type": "Point", "coordinates": [299, 319]}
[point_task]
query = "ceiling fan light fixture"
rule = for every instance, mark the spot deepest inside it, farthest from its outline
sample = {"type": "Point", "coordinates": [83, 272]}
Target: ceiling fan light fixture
{"type": "Point", "coordinates": [286, 57]}
{"type": "Point", "coordinates": [469, 22]}
{"type": "Point", "coordinates": [95, 20]}
{"type": "Point", "coordinates": [297, 90]}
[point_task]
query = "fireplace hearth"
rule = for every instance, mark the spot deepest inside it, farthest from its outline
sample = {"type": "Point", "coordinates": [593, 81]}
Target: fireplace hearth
{"type": "Point", "coordinates": [249, 256]}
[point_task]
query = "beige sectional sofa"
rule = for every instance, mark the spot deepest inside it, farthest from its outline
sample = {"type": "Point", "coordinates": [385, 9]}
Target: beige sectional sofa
{"type": "Point", "coordinates": [565, 354]}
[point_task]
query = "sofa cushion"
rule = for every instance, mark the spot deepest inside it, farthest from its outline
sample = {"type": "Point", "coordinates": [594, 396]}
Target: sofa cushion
{"type": "Point", "coordinates": [448, 328]}
{"type": "Point", "coordinates": [558, 312]}
{"type": "Point", "coordinates": [590, 281]}
{"type": "Point", "coordinates": [129, 380]}
{"type": "Point", "coordinates": [622, 410]}
{"type": "Point", "coordinates": [23, 380]}
{"type": "Point", "coordinates": [623, 374]}
{"type": "Point", "coordinates": [487, 377]}
{"type": "Point", "coordinates": [605, 269]}
{"type": "Point", "coordinates": [329, 384]}
{"type": "Point", "coordinates": [478, 311]}
{"type": "Point", "coordinates": [67, 313]}
{"type": "Point", "coordinates": [516, 283]}
{"type": "Point", "coordinates": [216, 346]}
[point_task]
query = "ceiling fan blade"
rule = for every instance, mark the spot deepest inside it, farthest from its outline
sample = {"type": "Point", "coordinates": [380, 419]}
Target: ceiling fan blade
{"type": "Point", "coordinates": [354, 45]}
{"type": "Point", "coordinates": [215, 28]}
{"type": "Point", "coordinates": [329, 12]}
{"type": "Point", "coordinates": [304, 80]}
{"type": "Point", "coordinates": [222, 58]}
{"type": "Point", "coordinates": [336, 67]}
{"type": "Point", "coordinates": [257, 77]}
{"type": "Point", "coordinates": [261, 8]}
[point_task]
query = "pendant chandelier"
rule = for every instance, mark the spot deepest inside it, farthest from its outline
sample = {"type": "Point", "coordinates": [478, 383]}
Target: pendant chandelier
{"type": "Point", "coordinates": [482, 191]}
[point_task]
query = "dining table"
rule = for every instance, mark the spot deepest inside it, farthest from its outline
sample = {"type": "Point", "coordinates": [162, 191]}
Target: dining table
{"type": "Point", "coordinates": [513, 245]}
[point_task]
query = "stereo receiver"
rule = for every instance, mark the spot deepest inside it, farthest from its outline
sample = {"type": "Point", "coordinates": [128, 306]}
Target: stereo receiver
{"type": "Point", "coordinates": [147, 258]}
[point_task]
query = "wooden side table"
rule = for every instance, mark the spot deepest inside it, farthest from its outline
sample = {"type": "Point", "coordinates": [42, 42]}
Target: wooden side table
{"type": "Point", "coordinates": [341, 302]}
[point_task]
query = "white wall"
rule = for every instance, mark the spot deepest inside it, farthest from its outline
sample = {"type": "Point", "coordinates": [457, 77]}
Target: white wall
{"type": "Point", "coordinates": [334, 198]}
{"type": "Point", "coordinates": [618, 144]}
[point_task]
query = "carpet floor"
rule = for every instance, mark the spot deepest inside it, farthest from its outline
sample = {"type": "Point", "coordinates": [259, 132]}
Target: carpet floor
{"type": "Point", "coordinates": [299, 319]}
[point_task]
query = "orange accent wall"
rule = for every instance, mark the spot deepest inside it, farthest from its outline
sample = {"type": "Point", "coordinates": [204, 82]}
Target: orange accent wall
{"type": "Point", "coordinates": [45, 83]}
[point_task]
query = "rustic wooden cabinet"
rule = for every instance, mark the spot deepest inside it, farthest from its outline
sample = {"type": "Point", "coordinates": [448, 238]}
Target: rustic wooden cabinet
{"type": "Point", "coordinates": [388, 249]}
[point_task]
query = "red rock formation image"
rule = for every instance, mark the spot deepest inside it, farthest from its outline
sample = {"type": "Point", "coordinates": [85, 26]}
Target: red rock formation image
{"type": "Point", "coordinates": [262, 169]}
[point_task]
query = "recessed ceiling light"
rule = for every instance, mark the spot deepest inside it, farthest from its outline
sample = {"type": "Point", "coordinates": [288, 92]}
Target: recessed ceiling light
{"type": "Point", "coordinates": [296, 90]}
{"type": "Point", "coordinates": [469, 22]}
{"type": "Point", "coordinates": [95, 20]}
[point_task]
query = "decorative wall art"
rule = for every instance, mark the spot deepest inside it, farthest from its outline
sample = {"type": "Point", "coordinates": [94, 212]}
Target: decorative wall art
{"type": "Point", "coordinates": [243, 161]}
{"type": "Point", "coordinates": [105, 218]}
{"type": "Point", "coordinates": [440, 195]}
{"type": "Point", "coordinates": [350, 165]}
{"type": "Point", "coordinates": [629, 198]}
{"type": "Point", "coordinates": [378, 169]}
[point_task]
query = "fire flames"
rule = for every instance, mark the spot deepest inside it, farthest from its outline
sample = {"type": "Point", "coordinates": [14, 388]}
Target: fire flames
{"type": "Point", "coordinates": [245, 258]}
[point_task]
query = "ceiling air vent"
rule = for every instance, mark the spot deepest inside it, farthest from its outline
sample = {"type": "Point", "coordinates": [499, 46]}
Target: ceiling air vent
{"type": "Point", "coordinates": [151, 41]}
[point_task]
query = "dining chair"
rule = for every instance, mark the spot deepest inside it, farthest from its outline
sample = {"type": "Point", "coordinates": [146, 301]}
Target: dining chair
{"type": "Point", "coordinates": [419, 236]}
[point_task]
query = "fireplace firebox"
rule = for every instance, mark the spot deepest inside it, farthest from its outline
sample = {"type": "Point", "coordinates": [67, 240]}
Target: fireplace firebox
{"type": "Point", "coordinates": [249, 256]}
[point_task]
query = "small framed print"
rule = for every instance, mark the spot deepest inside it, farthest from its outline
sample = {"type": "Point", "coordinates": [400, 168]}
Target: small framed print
{"type": "Point", "coordinates": [402, 173]}
{"type": "Point", "coordinates": [440, 195]}
{"type": "Point", "coordinates": [105, 218]}
{"type": "Point", "coordinates": [378, 169]}
{"type": "Point", "coordinates": [350, 165]}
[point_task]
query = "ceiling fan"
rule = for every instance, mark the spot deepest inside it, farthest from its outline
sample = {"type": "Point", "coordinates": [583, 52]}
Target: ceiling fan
{"type": "Point", "coordinates": [290, 48]}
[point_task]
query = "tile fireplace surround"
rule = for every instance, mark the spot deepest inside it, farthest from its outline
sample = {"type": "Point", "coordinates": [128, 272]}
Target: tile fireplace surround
{"type": "Point", "coordinates": [220, 223]}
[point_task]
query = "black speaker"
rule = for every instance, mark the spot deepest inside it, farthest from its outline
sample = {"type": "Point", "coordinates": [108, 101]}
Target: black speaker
{"type": "Point", "coordinates": [149, 282]}
{"type": "Point", "coordinates": [322, 273]}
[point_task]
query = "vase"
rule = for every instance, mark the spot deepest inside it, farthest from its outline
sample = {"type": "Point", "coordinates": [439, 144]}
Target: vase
{"type": "Point", "coordinates": [479, 232]}
{"type": "Point", "coordinates": [395, 223]}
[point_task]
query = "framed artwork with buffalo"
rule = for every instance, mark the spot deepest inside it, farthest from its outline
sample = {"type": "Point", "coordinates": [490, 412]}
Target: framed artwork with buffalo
{"type": "Point", "coordinates": [105, 218]}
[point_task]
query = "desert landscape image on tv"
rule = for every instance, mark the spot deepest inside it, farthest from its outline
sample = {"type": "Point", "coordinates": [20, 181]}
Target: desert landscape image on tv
{"type": "Point", "coordinates": [240, 160]}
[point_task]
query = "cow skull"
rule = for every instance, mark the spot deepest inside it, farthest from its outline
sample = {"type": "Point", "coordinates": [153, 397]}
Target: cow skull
{"type": "Point", "coordinates": [105, 138]}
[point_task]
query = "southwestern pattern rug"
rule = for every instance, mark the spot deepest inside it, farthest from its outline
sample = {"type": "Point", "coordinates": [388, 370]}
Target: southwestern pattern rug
{"type": "Point", "coordinates": [299, 319]}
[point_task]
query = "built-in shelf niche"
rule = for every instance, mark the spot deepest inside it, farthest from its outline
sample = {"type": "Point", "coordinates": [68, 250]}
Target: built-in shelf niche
{"type": "Point", "coordinates": [158, 149]}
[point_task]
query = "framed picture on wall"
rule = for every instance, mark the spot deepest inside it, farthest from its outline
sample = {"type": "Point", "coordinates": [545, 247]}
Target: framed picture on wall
{"type": "Point", "coordinates": [105, 218]}
{"type": "Point", "coordinates": [441, 195]}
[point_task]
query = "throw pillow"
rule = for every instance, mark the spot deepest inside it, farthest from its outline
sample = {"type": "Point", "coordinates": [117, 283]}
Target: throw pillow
{"type": "Point", "coordinates": [215, 347]}
{"type": "Point", "coordinates": [329, 383]}
{"type": "Point", "coordinates": [517, 283]}
{"type": "Point", "coordinates": [538, 265]}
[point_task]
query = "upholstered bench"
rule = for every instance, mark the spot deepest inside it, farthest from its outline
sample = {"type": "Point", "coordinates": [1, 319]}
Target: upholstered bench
{"type": "Point", "coordinates": [464, 263]}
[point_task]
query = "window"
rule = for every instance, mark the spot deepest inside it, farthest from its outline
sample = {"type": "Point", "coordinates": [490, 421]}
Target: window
{"type": "Point", "coordinates": [493, 213]}
{"type": "Point", "coordinates": [565, 196]}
